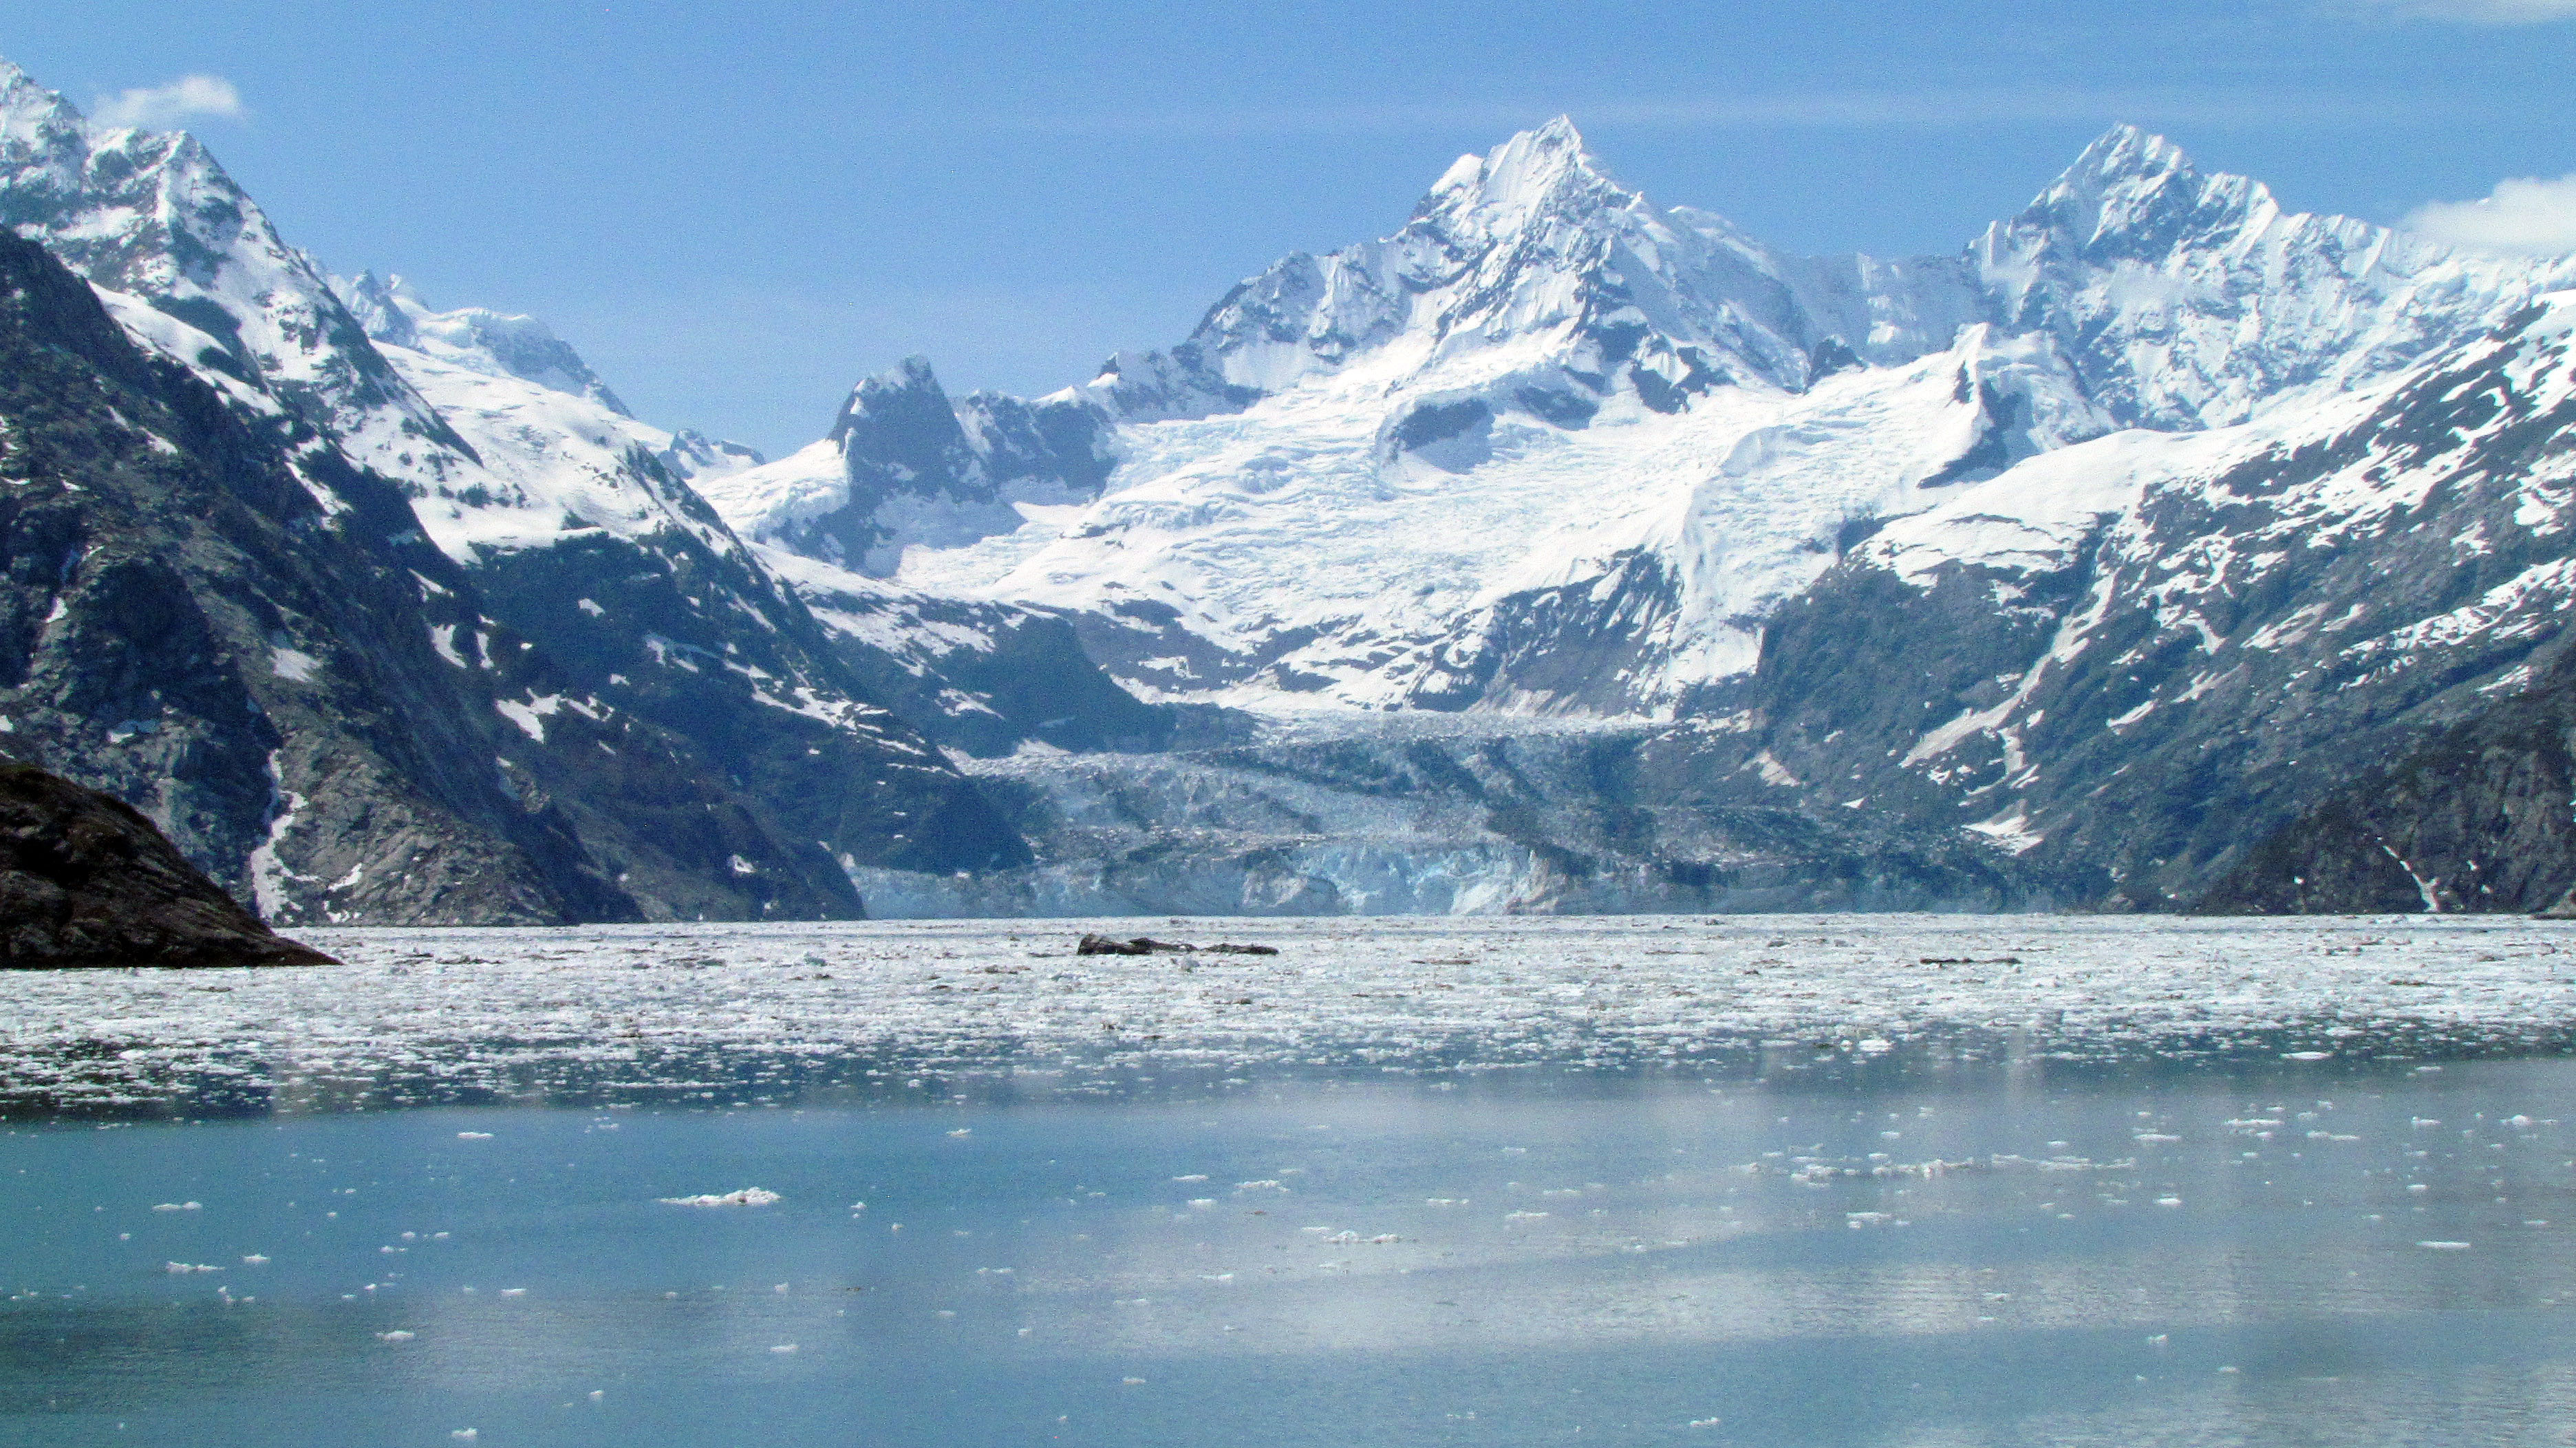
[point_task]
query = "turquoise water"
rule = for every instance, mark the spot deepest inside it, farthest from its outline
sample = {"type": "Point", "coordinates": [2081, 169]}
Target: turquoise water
{"type": "Point", "coordinates": [1906, 1247]}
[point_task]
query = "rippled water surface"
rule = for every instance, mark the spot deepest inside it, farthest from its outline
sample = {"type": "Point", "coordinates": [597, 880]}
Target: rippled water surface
{"type": "Point", "coordinates": [1907, 1182]}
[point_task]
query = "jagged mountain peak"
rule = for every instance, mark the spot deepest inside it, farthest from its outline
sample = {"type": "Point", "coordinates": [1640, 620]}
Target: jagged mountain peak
{"type": "Point", "coordinates": [2133, 189]}
{"type": "Point", "coordinates": [909, 386]}
{"type": "Point", "coordinates": [2131, 150]}
{"type": "Point", "coordinates": [2190, 298]}
{"type": "Point", "coordinates": [21, 97]}
{"type": "Point", "coordinates": [1542, 173]}
{"type": "Point", "coordinates": [378, 304]}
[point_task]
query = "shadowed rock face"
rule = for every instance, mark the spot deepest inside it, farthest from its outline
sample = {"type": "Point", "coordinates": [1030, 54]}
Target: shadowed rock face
{"type": "Point", "coordinates": [85, 880]}
{"type": "Point", "coordinates": [2477, 818]}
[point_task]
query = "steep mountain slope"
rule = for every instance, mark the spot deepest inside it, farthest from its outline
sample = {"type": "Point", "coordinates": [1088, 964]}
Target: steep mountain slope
{"type": "Point", "coordinates": [2478, 817]}
{"type": "Point", "coordinates": [688, 720]}
{"type": "Point", "coordinates": [2134, 659]}
{"type": "Point", "coordinates": [179, 626]}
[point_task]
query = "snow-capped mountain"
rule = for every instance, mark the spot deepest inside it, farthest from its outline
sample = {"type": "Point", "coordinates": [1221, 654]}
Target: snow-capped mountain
{"type": "Point", "coordinates": [697, 736]}
{"type": "Point", "coordinates": [1552, 447]}
{"type": "Point", "coordinates": [2106, 539]}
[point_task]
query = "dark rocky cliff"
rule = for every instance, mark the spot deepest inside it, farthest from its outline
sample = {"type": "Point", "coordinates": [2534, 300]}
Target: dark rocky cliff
{"type": "Point", "coordinates": [2477, 818]}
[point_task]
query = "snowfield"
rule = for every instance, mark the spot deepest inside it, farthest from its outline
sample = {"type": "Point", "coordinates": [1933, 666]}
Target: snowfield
{"type": "Point", "coordinates": [456, 1014]}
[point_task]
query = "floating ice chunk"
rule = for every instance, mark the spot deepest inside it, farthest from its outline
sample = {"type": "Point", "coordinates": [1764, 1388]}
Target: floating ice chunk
{"type": "Point", "coordinates": [2153, 1136]}
{"type": "Point", "coordinates": [255, 1260]}
{"type": "Point", "coordinates": [397, 1335]}
{"type": "Point", "coordinates": [177, 1269]}
{"type": "Point", "coordinates": [1522, 1216]}
{"type": "Point", "coordinates": [963, 1131]}
{"type": "Point", "coordinates": [2444, 1246]}
{"type": "Point", "coordinates": [178, 1206]}
{"type": "Point", "coordinates": [473, 1136]}
{"type": "Point", "coordinates": [2307, 1055]}
{"type": "Point", "coordinates": [514, 1292]}
{"type": "Point", "coordinates": [784, 1347]}
{"type": "Point", "coordinates": [747, 1197]}
{"type": "Point", "coordinates": [1196, 1176]}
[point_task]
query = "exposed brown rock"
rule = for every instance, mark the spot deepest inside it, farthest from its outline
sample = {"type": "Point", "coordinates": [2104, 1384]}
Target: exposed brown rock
{"type": "Point", "coordinates": [87, 881]}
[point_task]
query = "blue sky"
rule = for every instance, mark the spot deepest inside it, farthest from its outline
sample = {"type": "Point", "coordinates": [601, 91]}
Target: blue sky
{"type": "Point", "coordinates": [736, 210]}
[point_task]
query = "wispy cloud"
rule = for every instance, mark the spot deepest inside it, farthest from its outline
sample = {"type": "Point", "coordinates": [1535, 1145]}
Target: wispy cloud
{"type": "Point", "coordinates": [1860, 109]}
{"type": "Point", "coordinates": [161, 107]}
{"type": "Point", "coordinates": [2529, 216]}
{"type": "Point", "coordinates": [2473, 12]}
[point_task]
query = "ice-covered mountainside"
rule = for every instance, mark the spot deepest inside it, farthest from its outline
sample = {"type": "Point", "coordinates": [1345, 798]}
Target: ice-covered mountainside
{"type": "Point", "coordinates": [700, 738]}
{"type": "Point", "coordinates": [1553, 448]}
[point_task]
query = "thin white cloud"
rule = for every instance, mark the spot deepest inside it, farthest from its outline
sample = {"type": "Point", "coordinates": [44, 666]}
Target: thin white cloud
{"type": "Point", "coordinates": [1788, 110]}
{"type": "Point", "coordinates": [2473, 12]}
{"type": "Point", "coordinates": [162, 107]}
{"type": "Point", "coordinates": [2525, 215]}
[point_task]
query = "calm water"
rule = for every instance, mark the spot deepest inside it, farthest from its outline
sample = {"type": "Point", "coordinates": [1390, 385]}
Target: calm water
{"type": "Point", "coordinates": [1867, 1244]}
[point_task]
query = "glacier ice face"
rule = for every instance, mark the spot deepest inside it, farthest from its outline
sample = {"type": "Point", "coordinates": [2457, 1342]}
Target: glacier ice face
{"type": "Point", "coordinates": [1431, 814]}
